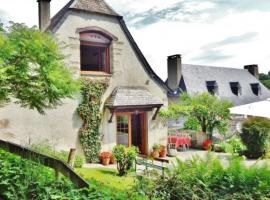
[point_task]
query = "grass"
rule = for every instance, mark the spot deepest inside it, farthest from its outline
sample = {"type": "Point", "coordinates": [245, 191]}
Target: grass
{"type": "Point", "coordinates": [108, 177]}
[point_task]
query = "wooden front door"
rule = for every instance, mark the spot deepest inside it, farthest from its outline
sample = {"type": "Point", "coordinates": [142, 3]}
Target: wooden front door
{"type": "Point", "coordinates": [132, 130]}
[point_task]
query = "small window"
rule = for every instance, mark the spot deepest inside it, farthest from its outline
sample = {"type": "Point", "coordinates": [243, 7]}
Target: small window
{"type": "Point", "coordinates": [95, 52]}
{"type": "Point", "coordinates": [256, 88]}
{"type": "Point", "coordinates": [212, 87]}
{"type": "Point", "coordinates": [236, 88]}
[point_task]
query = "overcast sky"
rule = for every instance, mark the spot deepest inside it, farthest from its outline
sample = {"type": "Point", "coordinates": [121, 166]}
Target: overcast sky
{"type": "Point", "coordinates": [225, 33]}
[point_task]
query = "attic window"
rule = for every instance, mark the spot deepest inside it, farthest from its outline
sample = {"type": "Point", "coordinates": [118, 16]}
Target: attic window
{"type": "Point", "coordinates": [95, 52]}
{"type": "Point", "coordinates": [256, 88]}
{"type": "Point", "coordinates": [212, 87]}
{"type": "Point", "coordinates": [236, 88]}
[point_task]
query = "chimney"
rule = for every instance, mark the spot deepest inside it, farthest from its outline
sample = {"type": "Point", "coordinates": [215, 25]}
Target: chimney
{"type": "Point", "coordinates": [253, 69]}
{"type": "Point", "coordinates": [174, 71]}
{"type": "Point", "coordinates": [44, 13]}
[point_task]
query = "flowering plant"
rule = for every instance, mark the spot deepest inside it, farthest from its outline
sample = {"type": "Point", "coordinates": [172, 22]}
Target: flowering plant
{"type": "Point", "coordinates": [207, 144]}
{"type": "Point", "coordinates": [106, 154]}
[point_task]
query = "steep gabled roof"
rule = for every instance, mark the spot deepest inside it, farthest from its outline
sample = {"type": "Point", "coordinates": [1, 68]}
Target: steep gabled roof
{"type": "Point", "coordinates": [101, 7]}
{"type": "Point", "coordinates": [97, 6]}
{"type": "Point", "coordinates": [94, 6]}
{"type": "Point", "coordinates": [194, 78]}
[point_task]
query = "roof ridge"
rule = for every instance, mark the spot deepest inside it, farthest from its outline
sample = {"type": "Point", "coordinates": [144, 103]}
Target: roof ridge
{"type": "Point", "coordinates": [217, 67]}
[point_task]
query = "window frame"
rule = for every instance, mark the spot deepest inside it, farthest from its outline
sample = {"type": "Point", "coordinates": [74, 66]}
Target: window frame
{"type": "Point", "coordinates": [257, 87]}
{"type": "Point", "coordinates": [236, 85]}
{"type": "Point", "coordinates": [107, 67]}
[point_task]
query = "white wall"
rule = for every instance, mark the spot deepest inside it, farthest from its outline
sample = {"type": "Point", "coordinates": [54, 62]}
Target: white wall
{"type": "Point", "coordinates": [61, 126]}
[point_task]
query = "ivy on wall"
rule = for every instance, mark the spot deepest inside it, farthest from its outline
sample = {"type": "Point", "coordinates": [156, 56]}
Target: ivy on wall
{"type": "Point", "coordinates": [89, 111]}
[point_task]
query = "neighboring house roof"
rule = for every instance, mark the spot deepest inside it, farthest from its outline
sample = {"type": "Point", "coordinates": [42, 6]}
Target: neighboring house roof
{"type": "Point", "coordinates": [132, 96]}
{"type": "Point", "coordinates": [101, 7]}
{"type": "Point", "coordinates": [194, 78]}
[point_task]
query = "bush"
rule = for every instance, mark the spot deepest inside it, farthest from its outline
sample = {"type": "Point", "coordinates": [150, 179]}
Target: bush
{"type": "Point", "coordinates": [233, 145]}
{"type": "Point", "coordinates": [209, 179]}
{"type": "Point", "coordinates": [125, 157]}
{"type": "Point", "coordinates": [47, 149]}
{"type": "Point", "coordinates": [256, 136]}
{"type": "Point", "coordinates": [25, 180]}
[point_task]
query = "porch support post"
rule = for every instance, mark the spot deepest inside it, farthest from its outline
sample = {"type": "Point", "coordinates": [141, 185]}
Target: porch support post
{"type": "Point", "coordinates": [155, 115]}
{"type": "Point", "coordinates": [112, 113]}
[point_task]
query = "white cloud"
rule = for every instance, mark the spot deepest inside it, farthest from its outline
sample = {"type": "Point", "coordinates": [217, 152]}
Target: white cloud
{"type": "Point", "coordinates": [199, 24]}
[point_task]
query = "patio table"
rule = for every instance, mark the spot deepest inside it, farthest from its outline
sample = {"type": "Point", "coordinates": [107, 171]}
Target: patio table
{"type": "Point", "coordinates": [179, 141]}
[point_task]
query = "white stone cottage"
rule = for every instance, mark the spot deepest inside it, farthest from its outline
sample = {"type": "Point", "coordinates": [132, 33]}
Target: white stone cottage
{"type": "Point", "coordinates": [99, 47]}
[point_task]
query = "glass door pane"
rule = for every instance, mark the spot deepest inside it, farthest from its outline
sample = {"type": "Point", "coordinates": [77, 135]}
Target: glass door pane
{"type": "Point", "coordinates": [123, 130]}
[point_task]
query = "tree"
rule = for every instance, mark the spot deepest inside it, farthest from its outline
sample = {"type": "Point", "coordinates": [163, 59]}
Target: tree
{"type": "Point", "coordinates": [32, 69]}
{"type": "Point", "coordinates": [265, 79]}
{"type": "Point", "coordinates": [207, 110]}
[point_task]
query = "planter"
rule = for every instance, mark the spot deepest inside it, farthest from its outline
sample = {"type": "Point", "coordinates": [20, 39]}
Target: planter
{"type": "Point", "coordinates": [105, 158]}
{"type": "Point", "coordinates": [155, 154]}
{"type": "Point", "coordinates": [172, 152]}
{"type": "Point", "coordinates": [217, 148]}
{"type": "Point", "coordinates": [106, 161]}
{"type": "Point", "coordinates": [113, 160]}
{"type": "Point", "coordinates": [163, 151]}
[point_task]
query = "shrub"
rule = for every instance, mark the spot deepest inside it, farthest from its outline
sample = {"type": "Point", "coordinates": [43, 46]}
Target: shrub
{"type": "Point", "coordinates": [209, 179]}
{"type": "Point", "coordinates": [25, 180]}
{"type": "Point", "coordinates": [125, 157]}
{"type": "Point", "coordinates": [256, 135]}
{"type": "Point", "coordinates": [233, 145]}
{"type": "Point", "coordinates": [47, 149]}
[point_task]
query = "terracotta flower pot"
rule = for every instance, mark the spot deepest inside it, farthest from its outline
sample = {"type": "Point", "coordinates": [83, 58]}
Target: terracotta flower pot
{"type": "Point", "coordinates": [106, 161]}
{"type": "Point", "coordinates": [163, 151]}
{"type": "Point", "coordinates": [155, 154]}
{"type": "Point", "coordinates": [113, 160]}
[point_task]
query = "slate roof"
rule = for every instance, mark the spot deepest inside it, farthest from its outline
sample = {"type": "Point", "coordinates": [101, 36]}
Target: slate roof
{"type": "Point", "coordinates": [101, 7]}
{"type": "Point", "coordinates": [194, 79]}
{"type": "Point", "coordinates": [132, 96]}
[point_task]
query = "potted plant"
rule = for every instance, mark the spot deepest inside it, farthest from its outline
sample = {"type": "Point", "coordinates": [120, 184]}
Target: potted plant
{"type": "Point", "coordinates": [155, 152]}
{"type": "Point", "coordinates": [106, 157]}
{"type": "Point", "coordinates": [163, 151]}
{"type": "Point", "coordinates": [113, 160]}
{"type": "Point", "coordinates": [207, 144]}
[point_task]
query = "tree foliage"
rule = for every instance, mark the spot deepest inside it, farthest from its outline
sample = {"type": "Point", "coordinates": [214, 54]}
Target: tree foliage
{"type": "Point", "coordinates": [205, 109]}
{"type": "Point", "coordinates": [32, 69]}
{"type": "Point", "coordinates": [265, 79]}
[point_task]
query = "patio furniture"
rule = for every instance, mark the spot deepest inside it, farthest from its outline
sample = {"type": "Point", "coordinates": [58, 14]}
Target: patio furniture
{"type": "Point", "coordinates": [179, 141]}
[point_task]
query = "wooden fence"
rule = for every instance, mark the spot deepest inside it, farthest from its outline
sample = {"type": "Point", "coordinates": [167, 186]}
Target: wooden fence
{"type": "Point", "coordinates": [56, 164]}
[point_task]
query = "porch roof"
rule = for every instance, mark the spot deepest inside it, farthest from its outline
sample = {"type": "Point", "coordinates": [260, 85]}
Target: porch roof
{"type": "Point", "coordinates": [132, 97]}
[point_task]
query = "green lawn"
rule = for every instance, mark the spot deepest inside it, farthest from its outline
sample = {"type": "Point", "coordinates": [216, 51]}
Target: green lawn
{"type": "Point", "coordinates": [108, 177]}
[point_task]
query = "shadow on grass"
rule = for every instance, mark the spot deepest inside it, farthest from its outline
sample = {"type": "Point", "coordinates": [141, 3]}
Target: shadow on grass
{"type": "Point", "coordinates": [107, 172]}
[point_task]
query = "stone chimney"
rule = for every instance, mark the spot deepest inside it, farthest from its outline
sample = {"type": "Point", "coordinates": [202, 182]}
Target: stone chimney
{"type": "Point", "coordinates": [44, 13]}
{"type": "Point", "coordinates": [174, 71]}
{"type": "Point", "coordinates": [253, 69]}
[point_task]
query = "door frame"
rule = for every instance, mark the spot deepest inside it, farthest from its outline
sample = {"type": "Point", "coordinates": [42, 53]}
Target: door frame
{"type": "Point", "coordinates": [144, 128]}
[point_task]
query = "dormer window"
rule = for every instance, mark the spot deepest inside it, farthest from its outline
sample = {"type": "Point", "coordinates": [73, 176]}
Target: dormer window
{"type": "Point", "coordinates": [256, 88]}
{"type": "Point", "coordinates": [236, 88]}
{"type": "Point", "coordinates": [95, 54]}
{"type": "Point", "coordinates": [212, 87]}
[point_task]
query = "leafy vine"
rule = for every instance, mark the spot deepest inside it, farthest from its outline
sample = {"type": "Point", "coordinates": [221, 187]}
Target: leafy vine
{"type": "Point", "coordinates": [89, 111]}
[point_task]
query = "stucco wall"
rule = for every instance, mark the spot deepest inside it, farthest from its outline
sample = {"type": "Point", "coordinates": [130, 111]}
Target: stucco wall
{"type": "Point", "coordinates": [61, 126]}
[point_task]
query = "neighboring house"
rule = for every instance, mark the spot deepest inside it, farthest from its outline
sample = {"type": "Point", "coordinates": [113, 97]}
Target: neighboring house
{"type": "Point", "coordinates": [240, 86]}
{"type": "Point", "coordinates": [99, 47]}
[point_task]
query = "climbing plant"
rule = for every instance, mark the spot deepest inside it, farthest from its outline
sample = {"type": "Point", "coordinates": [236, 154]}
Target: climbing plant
{"type": "Point", "coordinates": [89, 111]}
